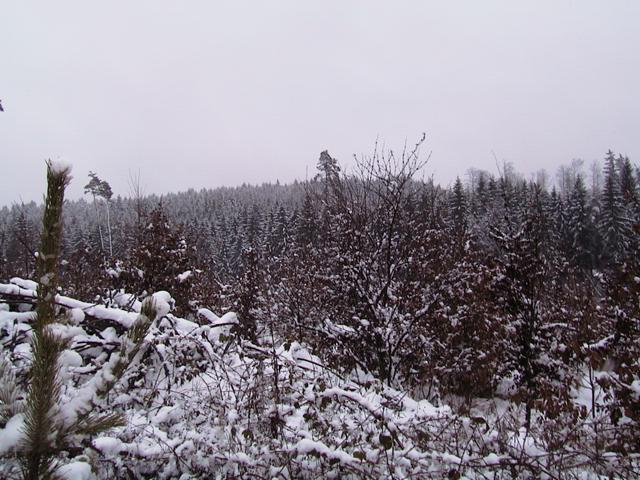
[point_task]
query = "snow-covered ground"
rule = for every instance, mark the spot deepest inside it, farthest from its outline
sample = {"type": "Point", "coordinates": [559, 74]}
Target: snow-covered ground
{"type": "Point", "coordinates": [199, 403]}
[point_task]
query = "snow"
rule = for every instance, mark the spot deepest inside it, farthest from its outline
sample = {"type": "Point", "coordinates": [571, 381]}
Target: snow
{"type": "Point", "coordinates": [113, 273]}
{"type": "Point", "coordinates": [7, 318]}
{"type": "Point", "coordinates": [219, 326]}
{"type": "Point", "coordinates": [492, 459]}
{"type": "Point", "coordinates": [162, 302]}
{"type": "Point", "coordinates": [635, 387]}
{"type": "Point", "coordinates": [11, 435]}
{"type": "Point", "coordinates": [67, 332]}
{"type": "Point", "coordinates": [127, 300]}
{"type": "Point", "coordinates": [183, 276]}
{"type": "Point", "coordinates": [307, 446]}
{"type": "Point", "coordinates": [75, 471]}
{"type": "Point", "coordinates": [75, 315]}
{"type": "Point", "coordinates": [126, 319]}
{"type": "Point", "coordinates": [59, 166]}
{"type": "Point", "coordinates": [197, 401]}
{"type": "Point", "coordinates": [339, 329]}
{"type": "Point", "coordinates": [25, 284]}
{"type": "Point", "coordinates": [70, 358]}
{"type": "Point", "coordinates": [23, 350]}
{"type": "Point", "coordinates": [108, 445]}
{"type": "Point", "coordinates": [165, 414]}
{"type": "Point", "coordinates": [301, 356]}
{"type": "Point", "coordinates": [208, 315]}
{"type": "Point", "coordinates": [17, 290]}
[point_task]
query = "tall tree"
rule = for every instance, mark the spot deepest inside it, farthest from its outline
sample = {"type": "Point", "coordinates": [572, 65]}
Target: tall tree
{"type": "Point", "coordinates": [583, 236]}
{"type": "Point", "coordinates": [615, 226]}
{"type": "Point", "coordinates": [531, 268]}
{"type": "Point", "coordinates": [21, 244]}
{"type": "Point", "coordinates": [101, 189]}
{"type": "Point", "coordinates": [458, 212]}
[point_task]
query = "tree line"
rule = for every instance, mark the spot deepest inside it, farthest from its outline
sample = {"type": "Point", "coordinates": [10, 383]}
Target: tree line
{"type": "Point", "coordinates": [502, 287]}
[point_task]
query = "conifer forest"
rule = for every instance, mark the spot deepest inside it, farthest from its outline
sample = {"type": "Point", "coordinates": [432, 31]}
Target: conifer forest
{"type": "Point", "coordinates": [361, 324]}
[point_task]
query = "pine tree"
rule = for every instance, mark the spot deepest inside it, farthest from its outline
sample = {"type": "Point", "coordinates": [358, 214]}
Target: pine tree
{"type": "Point", "coordinates": [44, 388]}
{"type": "Point", "coordinates": [101, 189]}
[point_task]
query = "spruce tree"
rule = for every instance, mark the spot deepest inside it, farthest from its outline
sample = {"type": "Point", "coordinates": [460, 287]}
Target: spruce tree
{"type": "Point", "coordinates": [628, 184]}
{"type": "Point", "coordinates": [21, 244]}
{"type": "Point", "coordinates": [329, 170]}
{"type": "Point", "coordinates": [458, 217]}
{"type": "Point", "coordinates": [614, 224]}
{"type": "Point", "coordinates": [306, 228]}
{"type": "Point", "coordinates": [582, 232]}
{"type": "Point", "coordinates": [529, 299]}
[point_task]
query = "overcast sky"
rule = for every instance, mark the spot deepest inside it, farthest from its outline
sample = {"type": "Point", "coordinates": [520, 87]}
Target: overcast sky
{"type": "Point", "coordinates": [203, 94]}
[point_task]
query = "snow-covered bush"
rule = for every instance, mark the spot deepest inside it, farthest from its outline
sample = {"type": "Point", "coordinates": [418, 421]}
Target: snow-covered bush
{"type": "Point", "coordinates": [198, 403]}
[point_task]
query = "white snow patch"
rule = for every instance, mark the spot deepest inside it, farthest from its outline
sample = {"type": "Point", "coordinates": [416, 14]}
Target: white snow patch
{"type": "Point", "coordinates": [75, 471]}
{"type": "Point", "coordinates": [70, 358]}
{"type": "Point", "coordinates": [113, 273]}
{"type": "Point", "coordinates": [59, 166]}
{"type": "Point", "coordinates": [127, 300]}
{"type": "Point", "coordinates": [183, 276]}
{"type": "Point", "coordinates": [208, 315]}
{"type": "Point", "coordinates": [7, 318]}
{"type": "Point", "coordinates": [11, 435]}
{"type": "Point", "coordinates": [22, 283]}
{"type": "Point", "coordinates": [219, 325]}
{"type": "Point", "coordinates": [635, 386]}
{"type": "Point", "coordinates": [165, 414]}
{"type": "Point", "coordinates": [23, 350]}
{"type": "Point", "coordinates": [307, 446]}
{"type": "Point", "coordinates": [492, 459]}
{"type": "Point", "coordinates": [108, 445]}
{"type": "Point", "coordinates": [162, 302]}
{"type": "Point", "coordinates": [75, 316]}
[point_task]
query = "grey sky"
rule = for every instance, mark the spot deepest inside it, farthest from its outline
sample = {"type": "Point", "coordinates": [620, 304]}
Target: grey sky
{"type": "Point", "coordinates": [203, 94]}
